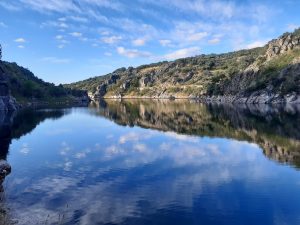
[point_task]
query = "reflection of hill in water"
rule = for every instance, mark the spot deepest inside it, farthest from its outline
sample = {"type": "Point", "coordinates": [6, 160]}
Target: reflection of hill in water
{"type": "Point", "coordinates": [16, 125]}
{"type": "Point", "coordinates": [275, 130]}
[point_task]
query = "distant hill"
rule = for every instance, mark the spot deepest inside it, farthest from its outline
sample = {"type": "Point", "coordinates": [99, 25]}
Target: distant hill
{"type": "Point", "coordinates": [269, 74]}
{"type": "Point", "coordinates": [25, 87]}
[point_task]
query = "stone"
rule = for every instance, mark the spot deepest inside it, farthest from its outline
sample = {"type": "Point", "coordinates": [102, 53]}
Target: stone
{"type": "Point", "coordinates": [102, 89]}
{"type": "Point", "coordinates": [5, 169]}
{"type": "Point", "coordinates": [125, 85]}
{"type": "Point", "coordinates": [144, 81]}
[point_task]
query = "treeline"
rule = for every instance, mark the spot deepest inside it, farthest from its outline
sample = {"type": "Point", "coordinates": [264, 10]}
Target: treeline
{"type": "Point", "coordinates": [24, 84]}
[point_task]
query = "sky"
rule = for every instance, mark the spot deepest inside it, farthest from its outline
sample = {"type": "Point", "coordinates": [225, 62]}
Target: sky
{"type": "Point", "coordinates": [63, 41]}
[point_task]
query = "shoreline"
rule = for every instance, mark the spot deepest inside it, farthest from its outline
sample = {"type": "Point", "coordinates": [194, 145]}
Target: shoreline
{"type": "Point", "coordinates": [252, 99]}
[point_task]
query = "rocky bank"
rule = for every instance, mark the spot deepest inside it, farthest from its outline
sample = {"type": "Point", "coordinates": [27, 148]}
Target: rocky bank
{"type": "Point", "coordinates": [270, 74]}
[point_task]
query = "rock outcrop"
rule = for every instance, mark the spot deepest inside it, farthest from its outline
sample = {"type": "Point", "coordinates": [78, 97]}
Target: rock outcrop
{"type": "Point", "coordinates": [282, 45]}
{"type": "Point", "coordinates": [264, 75]}
{"type": "Point", "coordinates": [5, 169]}
{"type": "Point", "coordinates": [7, 102]}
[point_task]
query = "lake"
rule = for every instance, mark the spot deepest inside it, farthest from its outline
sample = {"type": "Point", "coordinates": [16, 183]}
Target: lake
{"type": "Point", "coordinates": [152, 162]}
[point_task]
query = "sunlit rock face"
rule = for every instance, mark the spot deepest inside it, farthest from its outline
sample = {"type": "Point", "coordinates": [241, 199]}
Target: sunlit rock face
{"type": "Point", "coordinates": [282, 45]}
{"type": "Point", "coordinates": [265, 75]}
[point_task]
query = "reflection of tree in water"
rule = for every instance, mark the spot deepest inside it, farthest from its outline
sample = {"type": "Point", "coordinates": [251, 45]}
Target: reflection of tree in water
{"type": "Point", "coordinates": [13, 126]}
{"type": "Point", "coordinates": [276, 130]}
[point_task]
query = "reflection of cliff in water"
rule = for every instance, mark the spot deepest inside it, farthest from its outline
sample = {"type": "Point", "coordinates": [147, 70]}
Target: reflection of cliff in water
{"type": "Point", "coordinates": [276, 130]}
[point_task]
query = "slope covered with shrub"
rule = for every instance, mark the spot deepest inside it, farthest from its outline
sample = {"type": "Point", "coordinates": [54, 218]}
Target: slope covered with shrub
{"type": "Point", "coordinates": [266, 74]}
{"type": "Point", "coordinates": [25, 86]}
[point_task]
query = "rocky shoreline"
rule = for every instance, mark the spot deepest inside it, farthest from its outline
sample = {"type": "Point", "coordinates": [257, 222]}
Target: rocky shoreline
{"type": "Point", "coordinates": [254, 98]}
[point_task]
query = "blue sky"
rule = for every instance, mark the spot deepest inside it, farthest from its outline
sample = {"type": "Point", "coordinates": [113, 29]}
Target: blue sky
{"type": "Point", "coordinates": [70, 40]}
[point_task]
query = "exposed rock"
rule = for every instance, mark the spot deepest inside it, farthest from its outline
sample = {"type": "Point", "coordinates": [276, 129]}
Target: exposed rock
{"type": "Point", "coordinates": [125, 85]}
{"type": "Point", "coordinates": [144, 81]}
{"type": "Point", "coordinates": [113, 79]}
{"type": "Point", "coordinates": [282, 45]}
{"type": "Point", "coordinates": [255, 76]}
{"type": "Point", "coordinates": [7, 102]}
{"type": "Point", "coordinates": [5, 169]}
{"type": "Point", "coordinates": [101, 90]}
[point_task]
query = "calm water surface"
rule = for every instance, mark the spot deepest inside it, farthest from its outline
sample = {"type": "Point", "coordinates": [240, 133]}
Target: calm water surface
{"type": "Point", "coordinates": [152, 162]}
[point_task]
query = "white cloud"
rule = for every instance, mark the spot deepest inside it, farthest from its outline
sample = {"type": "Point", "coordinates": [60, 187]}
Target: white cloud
{"type": "Point", "coordinates": [59, 37]}
{"type": "Point", "coordinates": [25, 149]}
{"type": "Point", "coordinates": [21, 46]}
{"type": "Point", "coordinates": [2, 24]}
{"type": "Point", "coordinates": [292, 26]}
{"type": "Point", "coordinates": [78, 19]}
{"type": "Point", "coordinates": [182, 53]}
{"type": "Point", "coordinates": [139, 42]}
{"type": "Point", "coordinates": [20, 40]}
{"type": "Point", "coordinates": [139, 147]}
{"type": "Point", "coordinates": [80, 155]}
{"type": "Point", "coordinates": [256, 44]}
{"type": "Point", "coordinates": [214, 41]}
{"type": "Point", "coordinates": [197, 36]}
{"type": "Point", "coordinates": [76, 34]}
{"type": "Point", "coordinates": [9, 6]}
{"type": "Point", "coordinates": [63, 25]}
{"type": "Point", "coordinates": [62, 19]}
{"type": "Point", "coordinates": [55, 60]}
{"type": "Point", "coordinates": [112, 39]}
{"type": "Point", "coordinates": [108, 54]}
{"type": "Point", "coordinates": [132, 53]}
{"type": "Point", "coordinates": [106, 4]}
{"type": "Point", "coordinates": [165, 42]}
{"type": "Point", "coordinates": [51, 5]}
{"type": "Point", "coordinates": [129, 137]}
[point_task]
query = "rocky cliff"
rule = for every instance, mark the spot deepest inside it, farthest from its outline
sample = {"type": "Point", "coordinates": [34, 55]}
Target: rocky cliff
{"type": "Point", "coordinates": [270, 74]}
{"type": "Point", "coordinates": [7, 102]}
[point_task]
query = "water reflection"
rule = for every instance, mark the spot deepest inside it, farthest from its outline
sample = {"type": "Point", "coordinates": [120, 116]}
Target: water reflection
{"type": "Point", "coordinates": [206, 167]}
{"type": "Point", "coordinates": [14, 126]}
{"type": "Point", "coordinates": [275, 129]}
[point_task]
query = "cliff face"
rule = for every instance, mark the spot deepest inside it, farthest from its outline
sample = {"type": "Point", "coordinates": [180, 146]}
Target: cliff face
{"type": "Point", "coordinates": [270, 74]}
{"type": "Point", "coordinates": [7, 102]}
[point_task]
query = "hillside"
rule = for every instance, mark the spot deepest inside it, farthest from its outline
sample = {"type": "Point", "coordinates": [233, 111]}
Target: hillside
{"type": "Point", "coordinates": [26, 88]}
{"type": "Point", "coordinates": [270, 74]}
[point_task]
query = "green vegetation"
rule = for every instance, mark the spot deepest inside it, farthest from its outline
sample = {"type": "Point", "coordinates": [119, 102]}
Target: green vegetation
{"type": "Point", "coordinates": [272, 69]}
{"type": "Point", "coordinates": [204, 70]}
{"type": "Point", "coordinates": [24, 86]}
